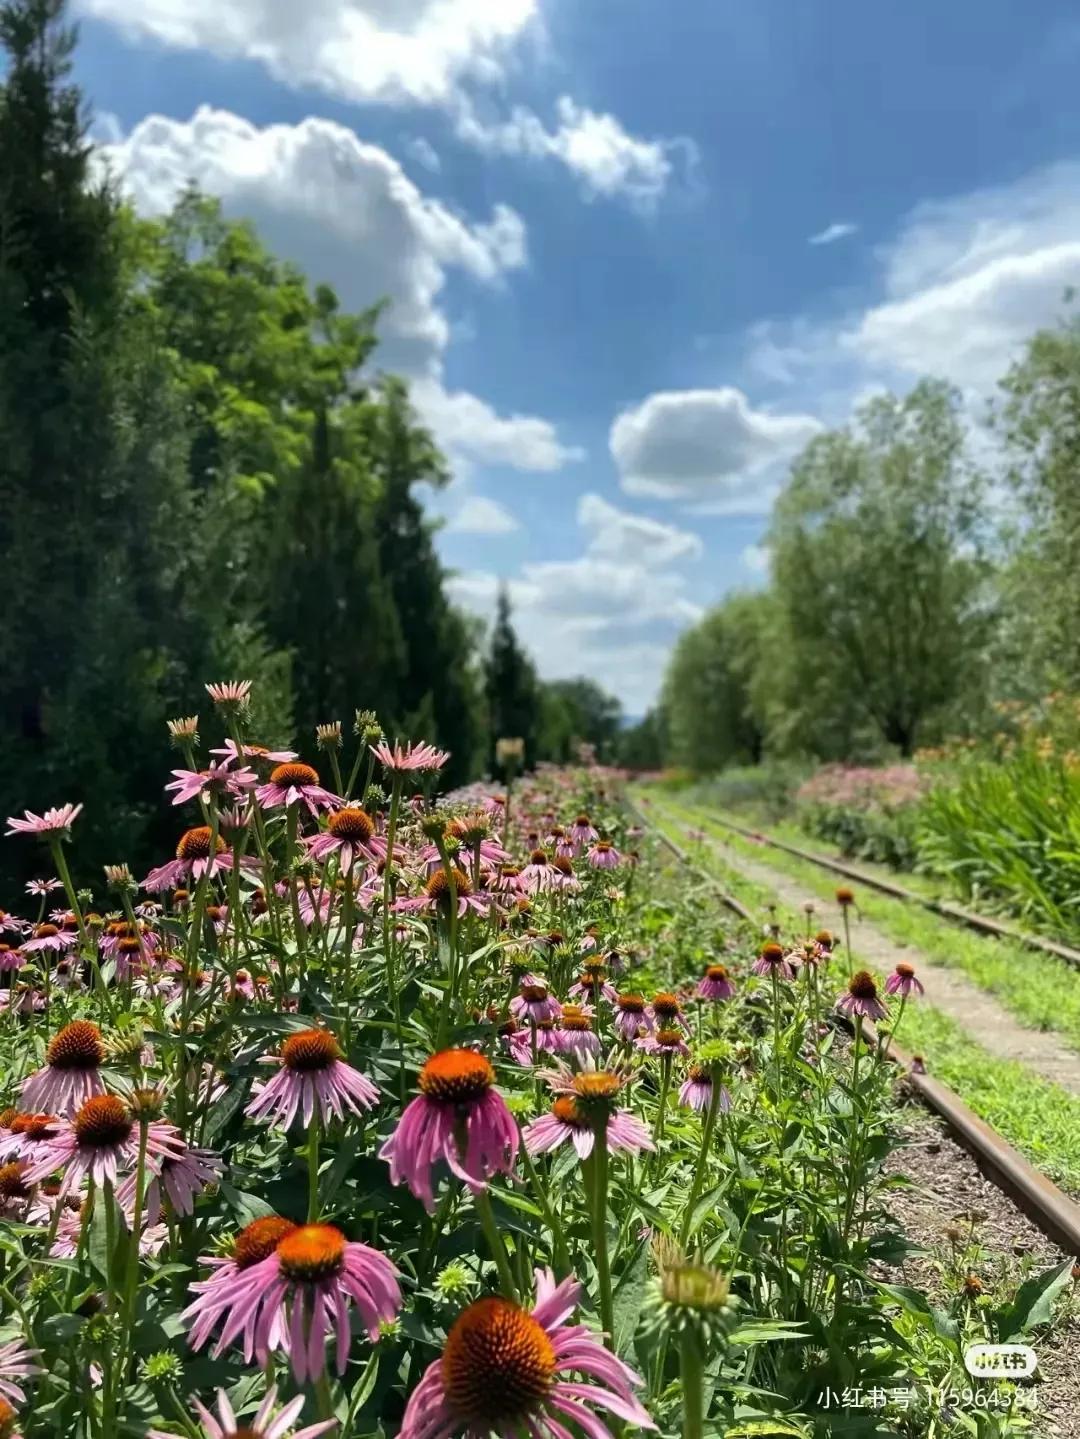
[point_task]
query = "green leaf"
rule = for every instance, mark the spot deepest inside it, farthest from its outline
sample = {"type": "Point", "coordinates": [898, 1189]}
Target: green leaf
{"type": "Point", "coordinates": [1034, 1302]}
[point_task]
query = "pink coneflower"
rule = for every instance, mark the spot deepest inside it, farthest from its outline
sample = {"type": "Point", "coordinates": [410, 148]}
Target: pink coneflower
{"type": "Point", "coordinates": [230, 750]}
{"type": "Point", "coordinates": [507, 880]}
{"type": "Point", "coordinates": [218, 782]}
{"type": "Point", "coordinates": [16, 1364]}
{"type": "Point", "coordinates": [53, 821]}
{"type": "Point", "coordinates": [772, 960]}
{"type": "Point", "coordinates": [604, 855]}
{"type": "Point", "coordinates": [862, 997]}
{"type": "Point", "coordinates": [68, 1241]}
{"type": "Point", "coordinates": [666, 1012]}
{"type": "Point", "coordinates": [221, 1296]}
{"type": "Point", "coordinates": [539, 874]}
{"type": "Point", "coordinates": [664, 1042]}
{"type": "Point", "coordinates": [39, 888]}
{"type": "Point", "coordinates": [102, 1136]}
{"type": "Point", "coordinates": [575, 1033]}
{"type": "Point", "coordinates": [534, 1002]}
{"type": "Point", "coordinates": [193, 860]}
{"type": "Point", "coordinates": [570, 1120]}
{"type": "Point", "coordinates": [458, 1117]}
{"type": "Point", "coordinates": [295, 783]}
{"type": "Point", "coordinates": [51, 936]}
{"type": "Point", "coordinates": [633, 1016]}
{"type": "Point", "coordinates": [10, 959]}
{"type": "Point", "coordinates": [289, 1299]}
{"type": "Point", "coordinates": [436, 894]}
{"type": "Point", "coordinates": [265, 1425]}
{"type": "Point", "coordinates": [903, 982]}
{"type": "Point", "coordinates": [716, 984]}
{"type": "Point", "coordinates": [507, 1371]}
{"type": "Point", "coordinates": [520, 1043]}
{"type": "Point", "coordinates": [231, 692]}
{"type": "Point", "coordinates": [350, 834]}
{"type": "Point", "coordinates": [183, 1178]}
{"type": "Point", "coordinates": [313, 1079]}
{"type": "Point", "coordinates": [594, 985]}
{"type": "Point", "coordinates": [582, 833]}
{"type": "Point", "coordinates": [596, 1091]}
{"type": "Point", "coordinates": [416, 756]}
{"type": "Point", "coordinates": [696, 1091]}
{"type": "Point", "coordinates": [70, 1075]}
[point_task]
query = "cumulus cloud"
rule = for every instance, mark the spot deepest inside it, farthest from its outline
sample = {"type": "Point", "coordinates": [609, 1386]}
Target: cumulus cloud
{"type": "Point", "coordinates": [606, 159]}
{"type": "Point", "coordinates": [424, 153]}
{"type": "Point", "coordinates": [838, 230]}
{"type": "Point", "coordinates": [710, 447]}
{"type": "Point", "coordinates": [385, 51]}
{"type": "Point", "coordinates": [610, 613]}
{"type": "Point", "coordinates": [349, 215]}
{"type": "Point", "coordinates": [479, 515]}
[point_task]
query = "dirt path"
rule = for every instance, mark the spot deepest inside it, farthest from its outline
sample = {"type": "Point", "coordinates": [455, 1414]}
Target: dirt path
{"type": "Point", "coordinates": [947, 989]}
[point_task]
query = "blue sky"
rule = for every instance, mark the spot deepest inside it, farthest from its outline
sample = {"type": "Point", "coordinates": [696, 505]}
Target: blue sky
{"type": "Point", "coordinates": [637, 253]}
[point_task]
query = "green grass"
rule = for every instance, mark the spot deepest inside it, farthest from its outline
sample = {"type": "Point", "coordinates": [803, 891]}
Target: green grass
{"type": "Point", "coordinates": [1039, 1118]}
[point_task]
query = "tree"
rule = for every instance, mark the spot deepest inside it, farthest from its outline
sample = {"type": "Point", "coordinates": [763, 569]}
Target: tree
{"type": "Point", "coordinates": [879, 561]}
{"type": "Point", "coordinates": [711, 700]}
{"type": "Point", "coordinates": [643, 746]}
{"type": "Point", "coordinates": [511, 685]}
{"type": "Point", "coordinates": [1039, 643]}
{"type": "Point", "coordinates": [93, 511]}
{"type": "Point", "coordinates": [573, 712]}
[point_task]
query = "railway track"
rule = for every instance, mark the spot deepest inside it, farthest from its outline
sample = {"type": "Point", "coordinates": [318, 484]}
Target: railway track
{"type": "Point", "coordinates": [980, 923]}
{"type": "Point", "coordinates": [1048, 1207]}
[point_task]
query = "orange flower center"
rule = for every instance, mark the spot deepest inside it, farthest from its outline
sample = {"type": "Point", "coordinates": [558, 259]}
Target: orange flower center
{"type": "Point", "coordinates": [293, 775]}
{"type": "Point", "coordinates": [8, 1419]}
{"type": "Point", "coordinates": [310, 1050]}
{"type": "Point", "coordinates": [772, 953]}
{"type": "Point", "coordinates": [534, 992]}
{"type": "Point", "coordinates": [824, 938]}
{"type": "Point", "coordinates": [632, 1003]}
{"type": "Point", "coordinates": [699, 1073]}
{"type": "Point", "coordinates": [596, 1084]}
{"type": "Point", "coordinates": [666, 1006]}
{"type": "Point", "coordinates": [577, 1023]}
{"type": "Point", "coordinates": [11, 1183]}
{"type": "Point", "coordinates": [567, 1109]}
{"type": "Point", "coordinates": [845, 896]}
{"type": "Point", "coordinates": [312, 1252]}
{"type": "Point", "coordinates": [498, 1364]}
{"type": "Point", "coordinates": [456, 1076]}
{"type": "Point", "coordinates": [77, 1046]}
{"type": "Point", "coordinates": [195, 843]}
{"type": "Point", "coordinates": [905, 971]}
{"type": "Point", "coordinates": [862, 986]}
{"type": "Point", "coordinates": [716, 972]}
{"type": "Point", "coordinates": [259, 1239]}
{"type": "Point", "coordinates": [669, 1037]}
{"type": "Point", "coordinates": [562, 864]}
{"type": "Point", "coordinates": [129, 945]}
{"type": "Point", "coordinates": [583, 822]}
{"type": "Point", "coordinates": [103, 1122]}
{"type": "Point", "coordinates": [538, 857]}
{"type": "Point", "coordinates": [438, 886]}
{"type": "Point", "coordinates": [46, 931]}
{"type": "Point", "coordinates": [351, 824]}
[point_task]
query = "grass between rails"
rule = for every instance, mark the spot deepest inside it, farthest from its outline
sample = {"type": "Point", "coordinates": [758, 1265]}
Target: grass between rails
{"type": "Point", "coordinates": [1038, 1117]}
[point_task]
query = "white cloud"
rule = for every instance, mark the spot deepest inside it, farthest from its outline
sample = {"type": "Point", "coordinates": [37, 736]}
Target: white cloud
{"type": "Point", "coordinates": [424, 153]}
{"type": "Point", "coordinates": [607, 160]}
{"type": "Point", "coordinates": [386, 51]}
{"type": "Point", "coordinates": [479, 515]}
{"type": "Point", "coordinates": [968, 280]}
{"type": "Point", "coordinates": [612, 612]}
{"type": "Point", "coordinates": [349, 215]}
{"type": "Point", "coordinates": [634, 539]}
{"type": "Point", "coordinates": [838, 230]}
{"type": "Point", "coordinates": [707, 446]}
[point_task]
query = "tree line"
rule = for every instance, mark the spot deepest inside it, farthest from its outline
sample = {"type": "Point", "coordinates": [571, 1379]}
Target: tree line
{"type": "Point", "coordinates": [203, 475]}
{"type": "Point", "coordinates": [922, 568]}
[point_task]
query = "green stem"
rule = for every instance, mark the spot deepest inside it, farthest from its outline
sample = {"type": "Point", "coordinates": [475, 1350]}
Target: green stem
{"type": "Point", "coordinates": [692, 1369]}
{"type": "Point", "coordinates": [313, 1171]}
{"type": "Point", "coordinates": [495, 1243]}
{"type": "Point", "coordinates": [703, 1159]}
{"type": "Point", "coordinates": [598, 1163]}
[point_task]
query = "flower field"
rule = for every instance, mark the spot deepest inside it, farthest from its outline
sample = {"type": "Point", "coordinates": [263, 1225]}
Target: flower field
{"type": "Point", "coordinates": [373, 1112]}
